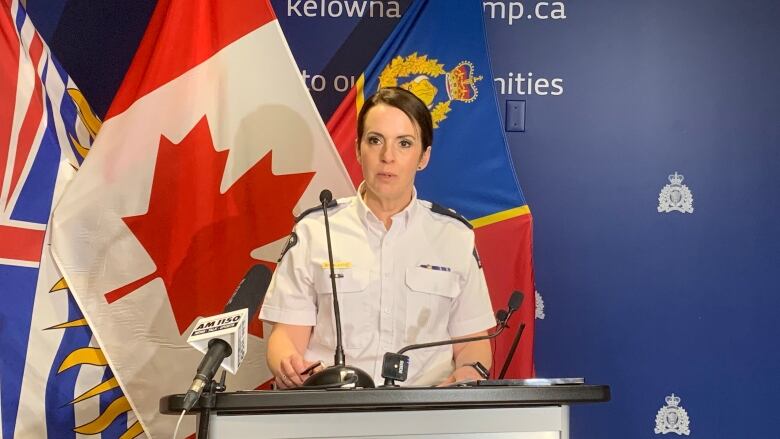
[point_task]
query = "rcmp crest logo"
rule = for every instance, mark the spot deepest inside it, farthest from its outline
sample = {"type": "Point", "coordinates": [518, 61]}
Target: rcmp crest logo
{"type": "Point", "coordinates": [672, 418]}
{"type": "Point", "coordinates": [424, 77]}
{"type": "Point", "coordinates": [675, 196]}
{"type": "Point", "coordinates": [539, 306]}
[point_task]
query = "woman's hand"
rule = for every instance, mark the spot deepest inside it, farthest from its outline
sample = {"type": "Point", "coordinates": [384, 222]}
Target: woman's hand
{"type": "Point", "coordinates": [293, 371]}
{"type": "Point", "coordinates": [466, 354]}
{"type": "Point", "coordinates": [463, 373]}
{"type": "Point", "coordinates": [286, 346]}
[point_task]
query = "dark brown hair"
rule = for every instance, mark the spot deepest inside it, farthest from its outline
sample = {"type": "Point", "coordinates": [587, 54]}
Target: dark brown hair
{"type": "Point", "coordinates": [405, 101]}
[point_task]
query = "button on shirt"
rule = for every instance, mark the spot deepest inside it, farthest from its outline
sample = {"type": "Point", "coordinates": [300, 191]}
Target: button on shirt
{"type": "Point", "coordinates": [416, 282]}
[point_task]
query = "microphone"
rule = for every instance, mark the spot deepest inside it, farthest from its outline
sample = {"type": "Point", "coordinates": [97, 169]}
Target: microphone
{"type": "Point", "coordinates": [223, 338]}
{"type": "Point", "coordinates": [338, 375]}
{"type": "Point", "coordinates": [395, 366]}
{"type": "Point", "coordinates": [515, 300]}
{"type": "Point", "coordinates": [514, 305]}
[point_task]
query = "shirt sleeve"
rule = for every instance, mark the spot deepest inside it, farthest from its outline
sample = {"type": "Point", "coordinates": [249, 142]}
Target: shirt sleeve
{"type": "Point", "coordinates": [291, 298]}
{"type": "Point", "coordinates": [471, 311]}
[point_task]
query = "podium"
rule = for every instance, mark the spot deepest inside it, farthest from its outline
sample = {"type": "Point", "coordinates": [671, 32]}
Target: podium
{"type": "Point", "coordinates": [484, 412]}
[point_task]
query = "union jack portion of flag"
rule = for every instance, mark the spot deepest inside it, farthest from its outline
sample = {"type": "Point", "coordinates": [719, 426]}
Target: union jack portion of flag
{"type": "Point", "coordinates": [55, 381]}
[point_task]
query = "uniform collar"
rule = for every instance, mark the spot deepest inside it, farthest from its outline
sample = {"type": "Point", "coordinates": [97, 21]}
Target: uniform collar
{"type": "Point", "coordinates": [401, 218]}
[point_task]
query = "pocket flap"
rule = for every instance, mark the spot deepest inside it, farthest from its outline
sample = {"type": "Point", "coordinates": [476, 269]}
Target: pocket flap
{"type": "Point", "coordinates": [441, 283]}
{"type": "Point", "coordinates": [348, 280]}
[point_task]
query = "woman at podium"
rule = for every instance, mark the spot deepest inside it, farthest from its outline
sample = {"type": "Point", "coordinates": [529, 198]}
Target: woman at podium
{"type": "Point", "coordinates": [406, 270]}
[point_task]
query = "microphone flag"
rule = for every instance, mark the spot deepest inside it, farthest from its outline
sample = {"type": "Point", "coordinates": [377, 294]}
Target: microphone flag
{"type": "Point", "coordinates": [230, 327]}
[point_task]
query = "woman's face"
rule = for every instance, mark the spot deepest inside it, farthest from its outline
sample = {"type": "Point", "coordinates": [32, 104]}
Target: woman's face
{"type": "Point", "coordinates": [390, 153]}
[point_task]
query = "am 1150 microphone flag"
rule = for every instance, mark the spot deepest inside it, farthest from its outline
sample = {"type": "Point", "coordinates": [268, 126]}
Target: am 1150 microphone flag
{"type": "Point", "coordinates": [223, 338]}
{"type": "Point", "coordinates": [438, 51]}
{"type": "Point", "coordinates": [232, 325]}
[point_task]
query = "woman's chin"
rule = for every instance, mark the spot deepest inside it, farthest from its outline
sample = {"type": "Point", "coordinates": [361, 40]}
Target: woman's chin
{"type": "Point", "coordinates": [387, 191]}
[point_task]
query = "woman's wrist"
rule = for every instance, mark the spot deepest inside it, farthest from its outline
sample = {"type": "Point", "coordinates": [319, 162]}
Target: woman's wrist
{"type": "Point", "coordinates": [479, 368]}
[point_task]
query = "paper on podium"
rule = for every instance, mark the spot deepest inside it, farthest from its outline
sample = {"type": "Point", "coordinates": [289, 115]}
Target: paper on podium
{"type": "Point", "coordinates": [523, 382]}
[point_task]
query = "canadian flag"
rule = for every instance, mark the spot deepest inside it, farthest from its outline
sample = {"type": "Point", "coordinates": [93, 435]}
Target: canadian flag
{"type": "Point", "coordinates": [210, 147]}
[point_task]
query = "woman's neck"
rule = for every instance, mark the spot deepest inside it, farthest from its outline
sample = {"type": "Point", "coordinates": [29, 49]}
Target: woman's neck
{"type": "Point", "coordinates": [384, 209]}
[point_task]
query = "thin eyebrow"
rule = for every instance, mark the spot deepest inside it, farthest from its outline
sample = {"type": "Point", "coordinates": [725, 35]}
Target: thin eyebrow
{"type": "Point", "coordinates": [402, 136]}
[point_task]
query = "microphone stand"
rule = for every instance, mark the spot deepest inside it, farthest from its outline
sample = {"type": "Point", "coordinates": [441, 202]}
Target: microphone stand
{"type": "Point", "coordinates": [395, 366]}
{"type": "Point", "coordinates": [512, 349]}
{"type": "Point", "coordinates": [400, 357]}
{"type": "Point", "coordinates": [339, 375]}
{"type": "Point", "coordinates": [208, 400]}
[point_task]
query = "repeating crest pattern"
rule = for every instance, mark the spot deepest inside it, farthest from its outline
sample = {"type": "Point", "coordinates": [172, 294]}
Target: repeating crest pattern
{"type": "Point", "coordinates": [672, 418]}
{"type": "Point", "coordinates": [675, 196]}
{"type": "Point", "coordinates": [539, 306]}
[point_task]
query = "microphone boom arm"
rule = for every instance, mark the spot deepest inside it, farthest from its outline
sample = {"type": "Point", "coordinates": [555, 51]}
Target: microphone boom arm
{"type": "Point", "coordinates": [446, 342]}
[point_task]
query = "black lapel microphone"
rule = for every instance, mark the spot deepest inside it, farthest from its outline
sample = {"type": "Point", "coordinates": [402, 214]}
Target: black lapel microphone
{"type": "Point", "coordinates": [339, 375]}
{"type": "Point", "coordinates": [395, 366]}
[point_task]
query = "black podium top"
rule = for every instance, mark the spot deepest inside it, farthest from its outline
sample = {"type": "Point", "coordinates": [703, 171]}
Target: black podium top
{"type": "Point", "coordinates": [400, 398]}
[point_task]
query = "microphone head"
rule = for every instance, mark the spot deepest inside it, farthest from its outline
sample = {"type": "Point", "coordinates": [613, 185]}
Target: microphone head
{"type": "Point", "coordinates": [326, 196]}
{"type": "Point", "coordinates": [515, 300]}
{"type": "Point", "coordinates": [251, 290]}
{"type": "Point", "coordinates": [502, 315]}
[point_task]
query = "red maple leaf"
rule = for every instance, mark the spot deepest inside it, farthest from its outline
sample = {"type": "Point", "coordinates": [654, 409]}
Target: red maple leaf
{"type": "Point", "coordinates": [200, 239]}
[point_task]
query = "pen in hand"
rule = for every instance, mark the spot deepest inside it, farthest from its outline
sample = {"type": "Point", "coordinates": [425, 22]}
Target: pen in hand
{"type": "Point", "coordinates": [309, 370]}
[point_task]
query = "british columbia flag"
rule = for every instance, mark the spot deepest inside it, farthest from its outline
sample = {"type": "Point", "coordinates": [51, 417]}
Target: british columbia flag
{"type": "Point", "coordinates": [54, 380]}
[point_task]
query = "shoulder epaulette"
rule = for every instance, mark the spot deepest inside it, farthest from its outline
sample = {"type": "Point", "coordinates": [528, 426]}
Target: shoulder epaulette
{"type": "Point", "coordinates": [318, 208]}
{"type": "Point", "coordinates": [446, 211]}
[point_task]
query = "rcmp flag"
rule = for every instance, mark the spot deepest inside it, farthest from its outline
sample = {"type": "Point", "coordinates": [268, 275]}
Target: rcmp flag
{"type": "Point", "coordinates": [210, 147]}
{"type": "Point", "coordinates": [53, 378]}
{"type": "Point", "coordinates": [438, 51]}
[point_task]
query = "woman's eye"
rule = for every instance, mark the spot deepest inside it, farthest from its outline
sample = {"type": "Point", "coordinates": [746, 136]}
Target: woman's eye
{"type": "Point", "coordinates": [406, 144]}
{"type": "Point", "coordinates": [373, 140]}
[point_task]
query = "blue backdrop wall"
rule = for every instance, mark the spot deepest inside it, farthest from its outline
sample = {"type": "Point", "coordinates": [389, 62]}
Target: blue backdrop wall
{"type": "Point", "coordinates": [619, 97]}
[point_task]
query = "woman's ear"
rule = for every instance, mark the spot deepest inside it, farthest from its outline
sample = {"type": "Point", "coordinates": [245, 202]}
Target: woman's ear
{"type": "Point", "coordinates": [424, 159]}
{"type": "Point", "coordinates": [357, 150]}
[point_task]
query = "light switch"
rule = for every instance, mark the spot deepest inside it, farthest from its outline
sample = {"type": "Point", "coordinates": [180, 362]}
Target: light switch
{"type": "Point", "coordinates": [515, 116]}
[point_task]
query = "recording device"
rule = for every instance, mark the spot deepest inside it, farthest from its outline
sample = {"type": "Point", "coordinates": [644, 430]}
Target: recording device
{"type": "Point", "coordinates": [395, 366]}
{"type": "Point", "coordinates": [223, 338]}
{"type": "Point", "coordinates": [339, 375]}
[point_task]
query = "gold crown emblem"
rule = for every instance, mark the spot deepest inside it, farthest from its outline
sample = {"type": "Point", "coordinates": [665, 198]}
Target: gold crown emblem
{"type": "Point", "coordinates": [461, 82]}
{"type": "Point", "coordinates": [420, 71]}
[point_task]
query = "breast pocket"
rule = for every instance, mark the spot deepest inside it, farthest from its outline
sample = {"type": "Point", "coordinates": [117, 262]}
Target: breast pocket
{"type": "Point", "coordinates": [354, 306]}
{"type": "Point", "coordinates": [428, 302]}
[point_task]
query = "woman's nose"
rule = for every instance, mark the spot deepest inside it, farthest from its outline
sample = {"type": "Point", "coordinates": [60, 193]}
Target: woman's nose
{"type": "Point", "coordinates": [386, 154]}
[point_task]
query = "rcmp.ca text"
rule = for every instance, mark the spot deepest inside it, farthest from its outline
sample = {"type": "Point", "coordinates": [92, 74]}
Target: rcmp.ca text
{"type": "Point", "coordinates": [513, 11]}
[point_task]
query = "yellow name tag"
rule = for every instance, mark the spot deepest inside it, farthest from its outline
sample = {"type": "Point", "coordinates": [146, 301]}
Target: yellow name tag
{"type": "Point", "coordinates": [337, 265]}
